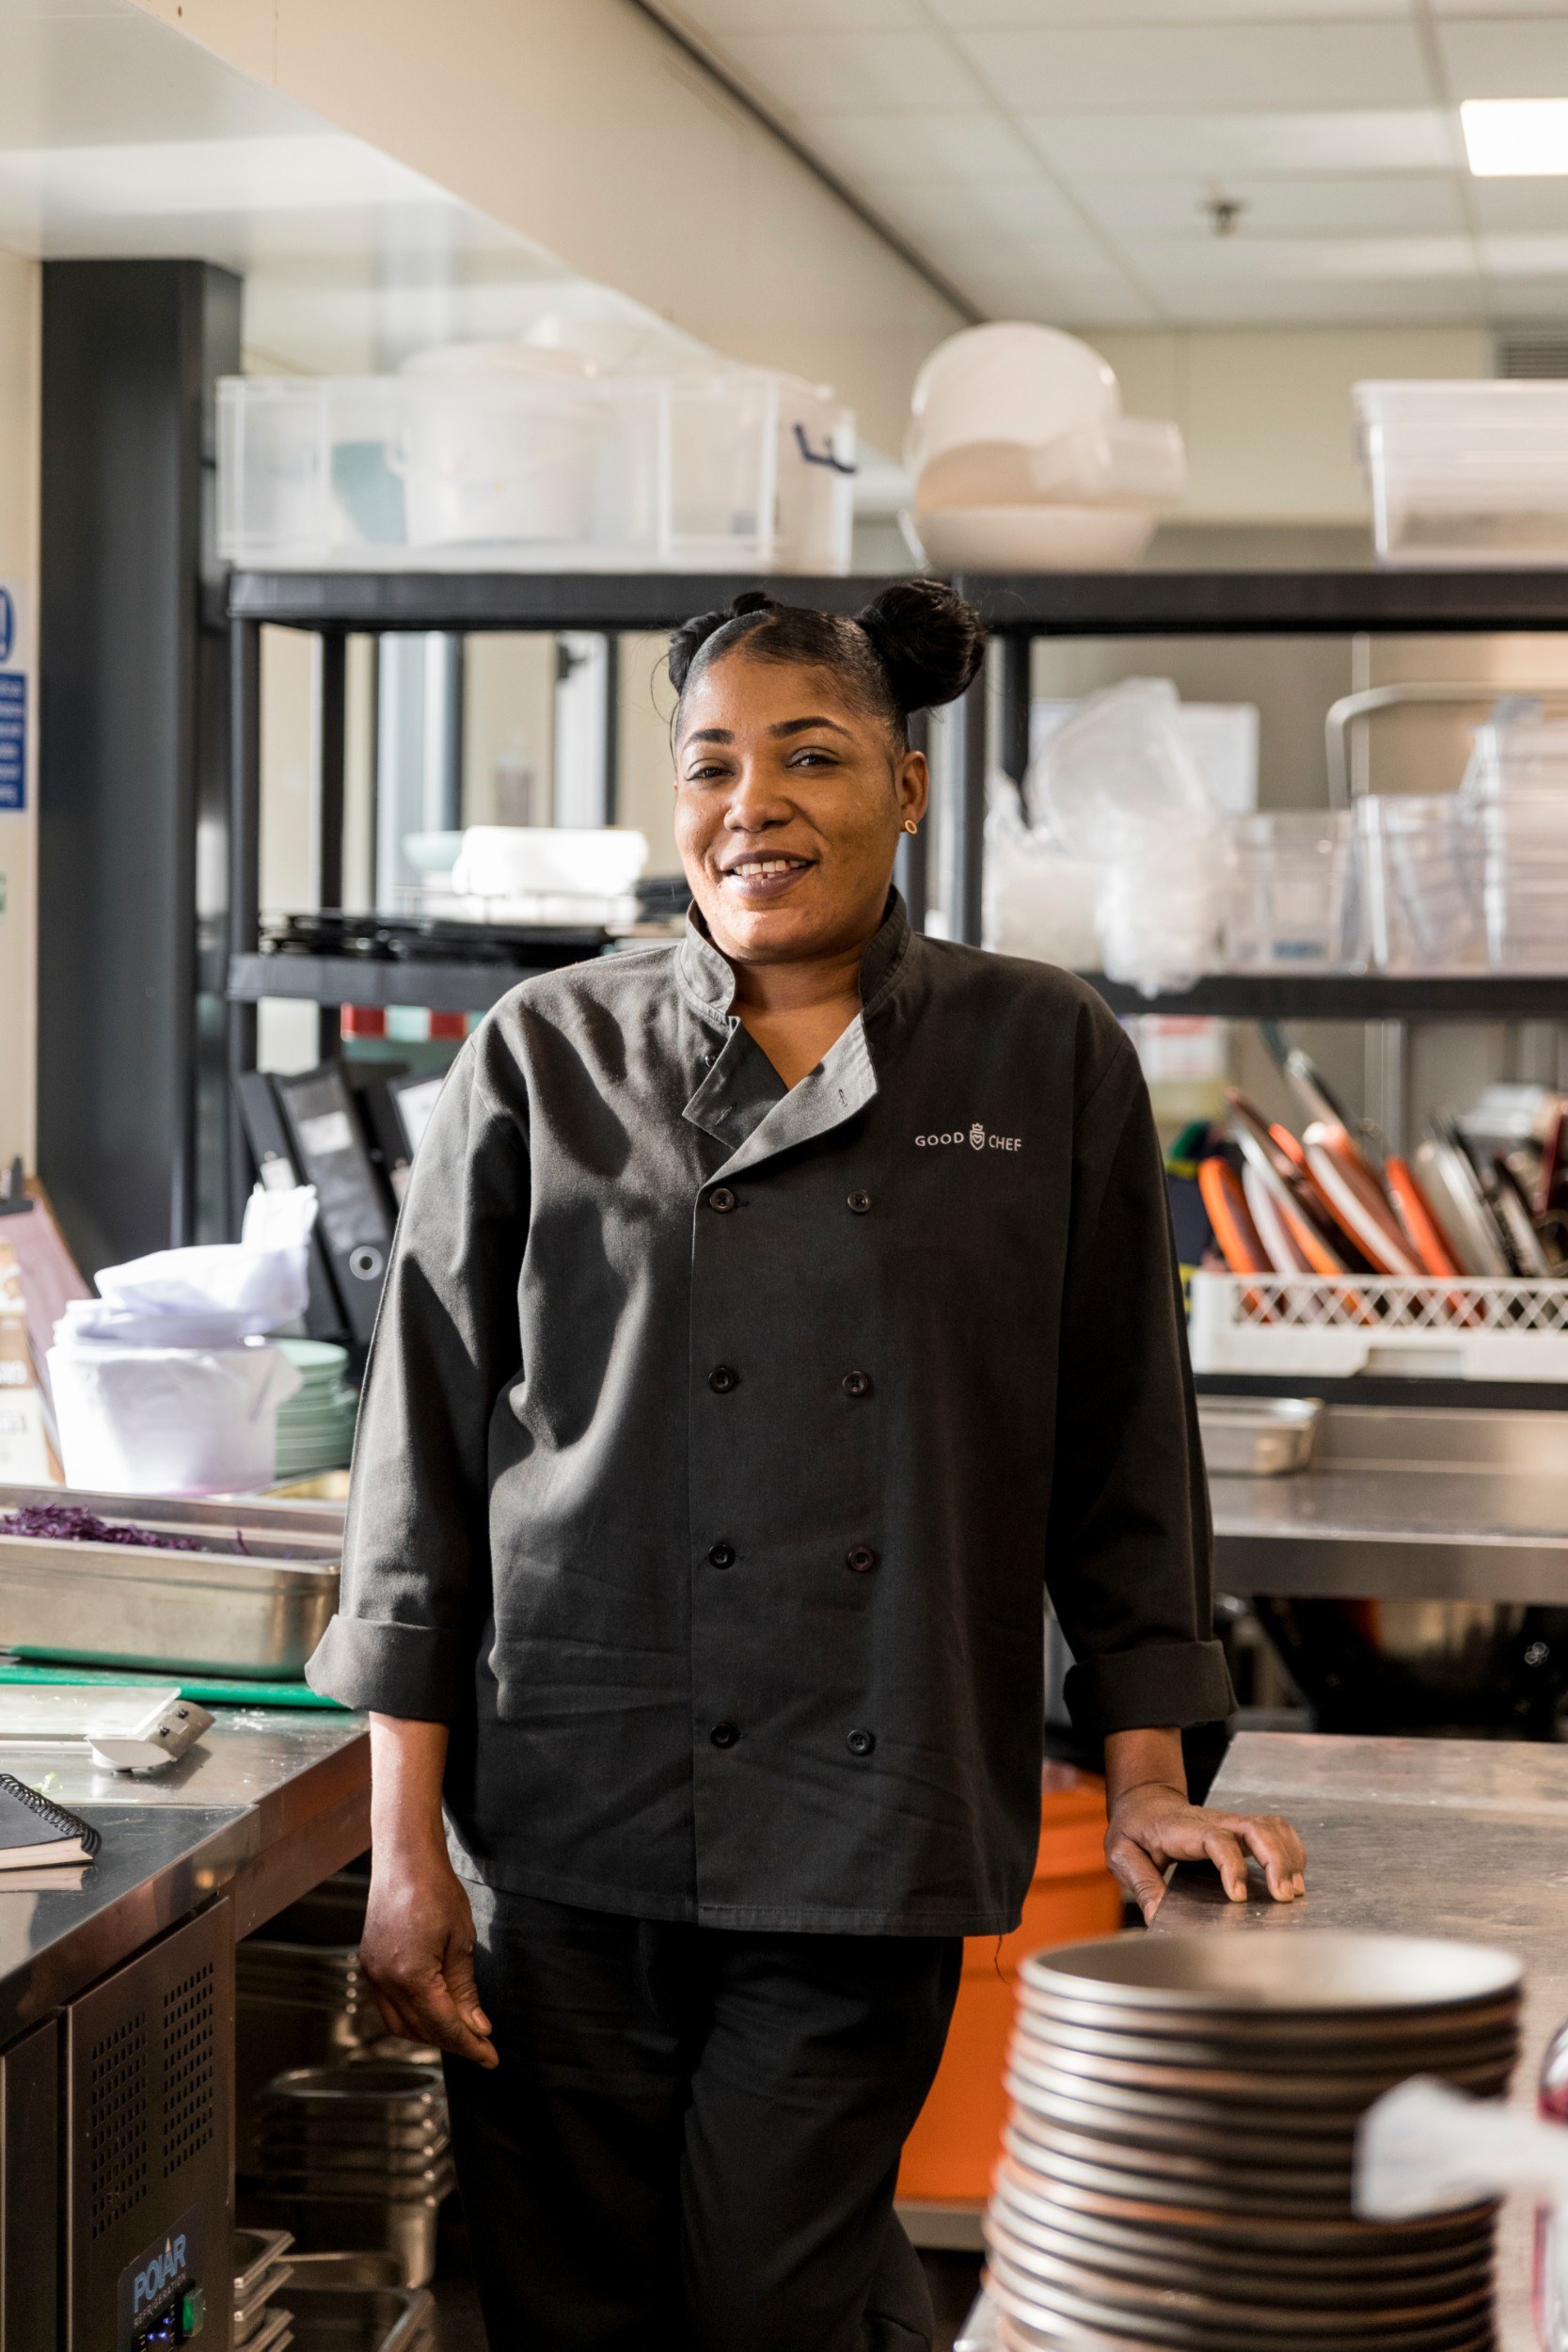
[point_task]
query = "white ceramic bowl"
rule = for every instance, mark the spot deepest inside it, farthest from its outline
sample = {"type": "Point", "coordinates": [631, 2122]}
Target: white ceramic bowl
{"type": "Point", "coordinates": [1032, 538]}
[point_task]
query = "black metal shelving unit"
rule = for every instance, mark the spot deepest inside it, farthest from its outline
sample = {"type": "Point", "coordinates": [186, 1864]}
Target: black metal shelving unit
{"type": "Point", "coordinates": [1018, 608]}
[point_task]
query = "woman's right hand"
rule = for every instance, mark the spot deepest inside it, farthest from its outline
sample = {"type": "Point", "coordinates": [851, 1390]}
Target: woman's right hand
{"type": "Point", "coordinates": [419, 1953]}
{"type": "Point", "coordinates": [417, 1949]}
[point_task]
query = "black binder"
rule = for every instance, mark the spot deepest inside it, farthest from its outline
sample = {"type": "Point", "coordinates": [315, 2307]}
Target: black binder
{"type": "Point", "coordinates": [328, 1147]}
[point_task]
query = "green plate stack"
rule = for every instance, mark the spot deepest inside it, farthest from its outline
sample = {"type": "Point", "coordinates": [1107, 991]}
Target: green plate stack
{"type": "Point", "coordinates": [315, 1428]}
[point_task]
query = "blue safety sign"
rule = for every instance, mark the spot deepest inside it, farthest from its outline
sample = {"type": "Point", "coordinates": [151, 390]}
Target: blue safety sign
{"type": "Point", "coordinates": [13, 739]}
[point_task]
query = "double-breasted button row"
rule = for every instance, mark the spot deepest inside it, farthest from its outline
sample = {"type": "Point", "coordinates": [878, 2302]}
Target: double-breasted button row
{"type": "Point", "coordinates": [723, 1199]}
{"type": "Point", "coordinates": [858, 1742]}
{"type": "Point", "coordinates": [723, 1378]}
{"type": "Point", "coordinates": [860, 1557]}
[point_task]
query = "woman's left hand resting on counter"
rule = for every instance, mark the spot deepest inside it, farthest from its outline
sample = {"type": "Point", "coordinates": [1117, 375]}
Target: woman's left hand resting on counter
{"type": "Point", "coordinates": [1151, 1825]}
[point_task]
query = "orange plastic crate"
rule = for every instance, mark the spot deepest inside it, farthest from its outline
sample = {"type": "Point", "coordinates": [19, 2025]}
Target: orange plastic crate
{"type": "Point", "coordinates": [953, 2149]}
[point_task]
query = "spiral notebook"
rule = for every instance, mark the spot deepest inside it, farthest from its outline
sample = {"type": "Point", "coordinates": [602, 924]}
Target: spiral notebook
{"type": "Point", "coordinates": [34, 1831]}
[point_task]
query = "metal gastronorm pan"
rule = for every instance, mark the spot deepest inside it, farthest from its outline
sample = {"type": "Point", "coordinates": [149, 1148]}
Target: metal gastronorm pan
{"type": "Point", "coordinates": [254, 1600]}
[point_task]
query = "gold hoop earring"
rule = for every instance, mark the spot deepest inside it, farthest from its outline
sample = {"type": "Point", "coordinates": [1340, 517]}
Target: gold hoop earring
{"type": "Point", "coordinates": [910, 825]}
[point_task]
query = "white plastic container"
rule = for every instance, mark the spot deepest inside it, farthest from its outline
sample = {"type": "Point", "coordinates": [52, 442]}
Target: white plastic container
{"type": "Point", "coordinates": [1421, 869]}
{"type": "Point", "coordinates": [168, 1420]}
{"type": "Point", "coordinates": [1518, 783]}
{"type": "Point", "coordinates": [1466, 472]}
{"type": "Point", "coordinates": [1286, 900]}
{"type": "Point", "coordinates": [526, 470]}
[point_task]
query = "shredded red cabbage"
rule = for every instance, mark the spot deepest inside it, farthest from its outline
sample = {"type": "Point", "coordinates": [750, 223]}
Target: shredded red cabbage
{"type": "Point", "coordinates": [67, 1523]}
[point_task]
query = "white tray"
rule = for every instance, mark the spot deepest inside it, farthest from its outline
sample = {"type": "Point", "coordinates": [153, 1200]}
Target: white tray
{"type": "Point", "coordinates": [1464, 1327]}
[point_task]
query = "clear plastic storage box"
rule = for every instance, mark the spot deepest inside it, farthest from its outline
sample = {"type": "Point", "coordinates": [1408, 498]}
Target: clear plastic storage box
{"type": "Point", "coordinates": [1420, 873]}
{"type": "Point", "coordinates": [1289, 906]}
{"type": "Point", "coordinates": [739, 471]}
{"type": "Point", "coordinates": [1466, 472]}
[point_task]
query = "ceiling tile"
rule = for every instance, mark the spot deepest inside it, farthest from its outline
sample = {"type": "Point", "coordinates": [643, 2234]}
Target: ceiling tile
{"type": "Point", "coordinates": [1046, 253]}
{"type": "Point", "coordinates": [1375, 302]}
{"type": "Point", "coordinates": [1513, 204]}
{"type": "Point", "coordinates": [977, 145]}
{"type": "Point", "coordinates": [1521, 299]}
{"type": "Point", "coordinates": [1529, 256]}
{"type": "Point", "coordinates": [719, 17]}
{"type": "Point", "coordinates": [1495, 7]}
{"type": "Point", "coordinates": [974, 207]}
{"type": "Point", "coordinates": [834, 72]}
{"type": "Point", "coordinates": [1494, 57]}
{"type": "Point", "coordinates": [1206, 68]}
{"type": "Point", "coordinates": [1151, 145]}
{"type": "Point", "coordinates": [1088, 13]}
{"type": "Point", "coordinates": [1293, 259]}
{"type": "Point", "coordinates": [1099, 301]}
{"type": "Point", "coordinates": [1179, 207]}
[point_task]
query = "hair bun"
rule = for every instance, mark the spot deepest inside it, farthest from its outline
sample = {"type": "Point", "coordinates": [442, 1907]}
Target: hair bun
{"type": "Point", "coordinates": [929, 641]}
{"type": "Point", "coordinates": [686, 642]}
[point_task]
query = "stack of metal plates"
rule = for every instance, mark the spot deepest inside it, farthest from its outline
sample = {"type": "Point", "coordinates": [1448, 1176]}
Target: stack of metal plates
{"type": "Point", "coordinates": [358, 2156]}
{"type": "Point", "coordinates": [1178, 2165]}
{"type": "Point", "coordinates": [261, 2268]}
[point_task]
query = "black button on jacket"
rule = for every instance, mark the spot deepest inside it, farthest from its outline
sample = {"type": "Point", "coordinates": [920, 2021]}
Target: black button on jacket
{"type": "Point", "coordinates": [981, 1389]}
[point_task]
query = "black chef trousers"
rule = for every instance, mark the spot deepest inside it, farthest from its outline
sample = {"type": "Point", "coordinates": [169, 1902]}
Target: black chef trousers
{"type": "Point", "coordinates": [692, 2141]}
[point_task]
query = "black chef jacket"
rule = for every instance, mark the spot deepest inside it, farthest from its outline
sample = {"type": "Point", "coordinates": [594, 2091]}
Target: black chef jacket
{"type": "Point", "coordinates": [722, 1440]}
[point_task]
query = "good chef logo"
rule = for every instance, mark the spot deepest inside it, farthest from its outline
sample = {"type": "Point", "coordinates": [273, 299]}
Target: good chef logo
{"type": "Point", "coordinates": [976, 1137]}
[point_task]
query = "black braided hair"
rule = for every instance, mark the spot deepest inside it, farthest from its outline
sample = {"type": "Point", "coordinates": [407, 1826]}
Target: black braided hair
{"type": "Point", "coordinates": [915, 645]}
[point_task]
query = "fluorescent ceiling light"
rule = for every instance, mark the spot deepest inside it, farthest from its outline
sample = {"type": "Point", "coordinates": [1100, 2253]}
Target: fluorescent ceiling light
{"type": "Point", "coordinates": [1516, 138]}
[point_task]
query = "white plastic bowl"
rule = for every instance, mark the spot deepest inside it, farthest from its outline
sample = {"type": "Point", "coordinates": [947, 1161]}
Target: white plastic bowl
{"type": "Point", "coordinates": [1006, 382]}
{"type": "Point", "coordinates": [1032, 538]}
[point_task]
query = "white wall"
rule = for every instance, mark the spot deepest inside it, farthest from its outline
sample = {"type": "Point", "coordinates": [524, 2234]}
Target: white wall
{"type": "Point", "coordinates": [20, 286]}
{"type": "Point", "coordinates": [1267, 411]}
{"type": "Point", "coordinates": [577, 123]}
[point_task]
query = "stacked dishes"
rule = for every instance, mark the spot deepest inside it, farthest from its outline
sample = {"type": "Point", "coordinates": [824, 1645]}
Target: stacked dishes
{"type": "Point", "coordinates": [315, 1426]}
{"type": "Point", "coordinates": [359, 2157]}
{"type": "Point", "coordinates": [1178, 2166]}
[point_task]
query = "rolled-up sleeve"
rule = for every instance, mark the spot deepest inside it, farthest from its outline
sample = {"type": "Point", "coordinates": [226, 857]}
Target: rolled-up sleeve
{"type": "Point", "coordinates": [415, 1578]}
{"type": "Point", "coordinates": [1129, 1564]}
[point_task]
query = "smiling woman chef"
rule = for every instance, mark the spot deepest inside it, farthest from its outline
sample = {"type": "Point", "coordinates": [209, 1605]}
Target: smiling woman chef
{"type": "Point", "coordinates": [774, 1318]}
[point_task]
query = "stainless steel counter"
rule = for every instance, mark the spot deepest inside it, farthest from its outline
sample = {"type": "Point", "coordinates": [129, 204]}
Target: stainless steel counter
{"type": "Point", "coordinates": [1428, 1505]}
{"type": "Point", "coordinates": [1431, 1837]}
{"type": "Point", "coordinates": [268, 1805]}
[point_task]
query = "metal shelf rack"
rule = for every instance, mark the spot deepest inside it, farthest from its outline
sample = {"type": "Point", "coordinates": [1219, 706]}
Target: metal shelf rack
{"type": "Point", "coordinates": [1017, 608]}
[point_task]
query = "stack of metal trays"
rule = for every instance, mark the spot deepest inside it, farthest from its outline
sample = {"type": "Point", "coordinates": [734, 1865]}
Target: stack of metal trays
{"type": "Point", "coordinates": [260, 2268]}
{"type": "Point", "coordinates": [359, 2157]}
{"type": "Point", "coordinates": [301, 2000]}
{"type": "Point", "coordinates": [1178, 2165]}
{"type": "Point", "coordinates": [331, 2318]}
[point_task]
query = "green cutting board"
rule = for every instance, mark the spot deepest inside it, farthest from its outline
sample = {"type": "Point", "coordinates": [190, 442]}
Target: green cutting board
{"type": "Point", "coordinates": [207, 1690]}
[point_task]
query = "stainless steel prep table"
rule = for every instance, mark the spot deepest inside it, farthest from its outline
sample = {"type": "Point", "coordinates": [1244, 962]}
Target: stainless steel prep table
{"type": "Point", "coordinates": [270, 1803]}
{"type": "Point", "coordinates": [1462, 1838]}
{"type": "Point", "coordinates": [1418, 1506]}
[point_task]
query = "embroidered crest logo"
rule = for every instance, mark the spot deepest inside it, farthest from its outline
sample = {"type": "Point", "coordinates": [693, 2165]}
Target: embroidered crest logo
{"type": "Point", "coordinates": [977, 1136]}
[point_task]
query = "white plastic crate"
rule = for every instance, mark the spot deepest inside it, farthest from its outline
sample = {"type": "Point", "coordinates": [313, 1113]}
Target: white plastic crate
{"type": "Point", "coordinates": [1304, 1326]}
{"type": "Point", "coordinates": [1466, 472]}
{"type": "Point", "coordinates": [739, 470]}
